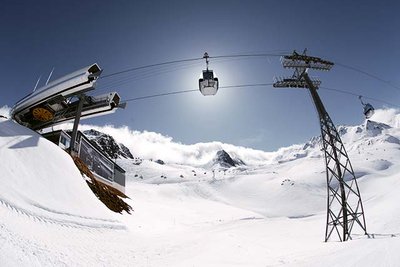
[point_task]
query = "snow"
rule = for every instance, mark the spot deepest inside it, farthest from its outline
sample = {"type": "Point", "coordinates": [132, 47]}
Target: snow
{"type": "Point", "coordinates": [5, 111]}
{"type": "Point", "coordinates": [270, 212]}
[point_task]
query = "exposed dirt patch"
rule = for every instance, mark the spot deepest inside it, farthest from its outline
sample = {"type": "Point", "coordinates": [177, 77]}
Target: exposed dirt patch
{"type": "Point", "coordinates": [111, 197]}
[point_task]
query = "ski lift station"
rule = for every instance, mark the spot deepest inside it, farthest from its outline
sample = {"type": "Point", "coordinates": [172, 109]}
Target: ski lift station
{"type": "Point", "coordinates": [59, 100]}
{"type": "Point", "coordinates": [66, 99]}
{"type": "Point", "coordinates": [104, 169]}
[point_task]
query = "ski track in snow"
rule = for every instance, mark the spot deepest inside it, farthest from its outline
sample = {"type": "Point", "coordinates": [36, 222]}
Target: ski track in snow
{"type": "Point", "coordinates": [67, 221]}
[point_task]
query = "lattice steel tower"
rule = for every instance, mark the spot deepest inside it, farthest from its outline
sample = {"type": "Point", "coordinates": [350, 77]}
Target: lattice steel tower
{"type": "Point", "coordinates": [344, 205]}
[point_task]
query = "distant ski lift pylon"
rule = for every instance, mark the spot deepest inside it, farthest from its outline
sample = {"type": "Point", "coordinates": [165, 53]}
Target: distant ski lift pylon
{"type": "Point", "coordinates": [208, 84]}
{"type": "Point", "coordinates": [368, 109]}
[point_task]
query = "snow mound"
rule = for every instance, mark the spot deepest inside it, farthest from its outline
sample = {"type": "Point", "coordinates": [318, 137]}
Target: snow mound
{"type": "Point", "coordinates": [380, 164]}
{"type": "Point", "coordinates": [40, 180]}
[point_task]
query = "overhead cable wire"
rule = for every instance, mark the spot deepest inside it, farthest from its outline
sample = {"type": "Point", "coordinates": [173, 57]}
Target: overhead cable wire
{"type": "Point", "coordinates": [148, 73]}
{"type": "Point", "coordinates": [357, 95]}
{"type": "Point", "coordinates": [258, 85]}
{"type": "Point", "coordinates": [195, 90]}
{"type": "Point", "coordinates": [321, 87]}
{"type": "Point", "coordinates": [244, 56]}
{"type": "Point", "coordinates": [151, 72]}
{"type": "Point", "coordinates": [246, 85]}
{"type": "Point", "coordinates": [369, 75]}
{"type": "Point", "coordinates": [189, 60]}
{"type": "Point", "coordinates": [143, 74]}
{"type": "Point", "coordinates": [338, 90]}
{"type": "Point", "coordinates": [159, 95]}
{"type": "Point", "coordinates": [249, 55]}
{"type": "Point", "coordinates": [150, 66]}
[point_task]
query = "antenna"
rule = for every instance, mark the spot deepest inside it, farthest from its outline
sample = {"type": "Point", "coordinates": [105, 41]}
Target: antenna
{"type": "Point", "coordinates": [344, 205]}
{"type": "Point", "coordinates": [51, 73]}
{"type": "Point", "coordinates": [37, 82]}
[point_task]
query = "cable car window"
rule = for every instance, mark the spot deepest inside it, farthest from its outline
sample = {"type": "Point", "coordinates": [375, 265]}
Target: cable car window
{"type": "Point", "coordinates": [96, 162]}
{"type": "Point", "coordinates": [208, 75]}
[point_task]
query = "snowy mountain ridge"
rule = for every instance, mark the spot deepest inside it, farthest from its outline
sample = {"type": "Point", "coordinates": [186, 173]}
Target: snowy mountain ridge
{"type": "Point", "coordinates": [148, 145]}
{"type": "Point", "coordinates": [352, 136]}
{"type": "Point", "coordinates": [108, 144]}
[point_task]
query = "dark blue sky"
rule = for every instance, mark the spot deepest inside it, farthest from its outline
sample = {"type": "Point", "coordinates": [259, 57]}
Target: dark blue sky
{"type": "Point", "coordinates": [39, 35]}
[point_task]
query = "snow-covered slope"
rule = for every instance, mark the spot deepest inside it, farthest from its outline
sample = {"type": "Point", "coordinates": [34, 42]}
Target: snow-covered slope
{"type": "Point", "coordinates": [38, 177]}
{"type": "Point", "coordinates": [269, 212]}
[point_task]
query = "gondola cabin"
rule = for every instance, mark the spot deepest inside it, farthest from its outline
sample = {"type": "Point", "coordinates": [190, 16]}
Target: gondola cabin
{"type": "Point", "coordinates": [368, 110]}
{"type": "Point", "coordinates": [208, 85]}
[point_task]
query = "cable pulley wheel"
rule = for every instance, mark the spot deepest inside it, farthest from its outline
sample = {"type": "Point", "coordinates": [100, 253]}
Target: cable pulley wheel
{"type": "Point", "coordinates": [42, 114]}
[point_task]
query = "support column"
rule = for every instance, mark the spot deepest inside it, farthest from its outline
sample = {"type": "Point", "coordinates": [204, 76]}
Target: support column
{"type": "Point", "coordinates": [72, 148]}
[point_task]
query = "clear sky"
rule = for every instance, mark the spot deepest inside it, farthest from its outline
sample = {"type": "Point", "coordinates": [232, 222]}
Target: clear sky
{"type": "Point", "coordinates": [39, 35]}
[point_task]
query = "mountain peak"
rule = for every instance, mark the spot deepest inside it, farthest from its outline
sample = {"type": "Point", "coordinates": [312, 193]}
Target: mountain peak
{"type": "Point", "coordinates": [223, 159]}
{"type": "Point", "coordinates": [374, 128]}
{"type": "Point", "coordinates": [108, 144]}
